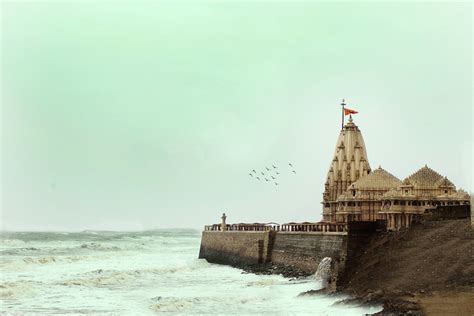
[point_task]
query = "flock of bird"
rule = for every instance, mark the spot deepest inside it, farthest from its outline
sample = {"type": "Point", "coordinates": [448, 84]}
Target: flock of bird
{"type": "Point", "coordinates": [270, 174]}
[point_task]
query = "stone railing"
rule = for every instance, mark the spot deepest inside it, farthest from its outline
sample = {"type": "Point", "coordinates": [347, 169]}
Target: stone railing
{"type": "Point", "coordinates": [243, 227]}
{"type": "Point", "coordinates": [314, 227]}
{"type": "Point", "coordinates": [288, 227]}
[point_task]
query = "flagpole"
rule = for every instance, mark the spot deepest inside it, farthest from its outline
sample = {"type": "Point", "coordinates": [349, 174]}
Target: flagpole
{"type": "Point", "coordinates": [342, 114]}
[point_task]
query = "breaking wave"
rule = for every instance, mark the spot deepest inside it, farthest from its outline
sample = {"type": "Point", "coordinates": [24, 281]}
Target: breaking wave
{"type": "Point", "coordinates": [172, 304]}
{"type": "Point", "coordinates": [100, 247]}
{"type": "Point", "coordinates": [13, 290]}
{"type": "Point", "coordinates": [42, 260]}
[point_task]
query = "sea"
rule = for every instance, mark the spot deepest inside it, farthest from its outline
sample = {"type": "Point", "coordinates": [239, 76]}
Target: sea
{"type": "Point", "coordinates": [143, 273]}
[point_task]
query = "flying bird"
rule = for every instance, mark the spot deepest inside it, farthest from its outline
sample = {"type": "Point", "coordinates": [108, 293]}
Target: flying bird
{"type": "Point", "coordinates": [274, 167]}
{"type": "Point", "coordinates": [294, 171]}
{"type": "Point", "coordinates": [277, 172]}
{"type": "Point", "coordinates": [266, 179]}
{"type": "Point", "coordinates": [276, 183]}
{"type": "Point", "coordinates": [258, 178]}
{"type": "Point", "coordinates": [254, 171]}
{"type": "Point", "coordinates": [290, 165]}
{"type": "Point", "coordinates": [267, 168]}
{"type": "Point", "coordinates": [250, 174]}
{"type": "Point", "coordinates": [273, 178]}
{"type": "Point", "coordinates": [262, 173]}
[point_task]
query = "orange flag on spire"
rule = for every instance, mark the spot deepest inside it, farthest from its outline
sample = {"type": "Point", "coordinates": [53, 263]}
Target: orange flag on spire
{"type": "Point", "coordinates": [349, 111]}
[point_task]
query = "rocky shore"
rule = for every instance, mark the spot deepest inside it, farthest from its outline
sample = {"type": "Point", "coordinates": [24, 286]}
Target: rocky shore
{"type": "Point", "coordinates": [269, 268]}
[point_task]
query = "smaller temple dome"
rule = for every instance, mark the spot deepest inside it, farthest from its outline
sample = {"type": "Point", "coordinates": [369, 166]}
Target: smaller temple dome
{"type": "Point", "coordinates": [377, 179]}
{"type": "Point", "coordinates": [427, 177]}
{"type": "Point", "coordinates": [445, 183]}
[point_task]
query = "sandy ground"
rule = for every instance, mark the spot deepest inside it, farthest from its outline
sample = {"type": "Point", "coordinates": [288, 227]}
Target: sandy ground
{"type": "Point", "coordinates": [447, 303]}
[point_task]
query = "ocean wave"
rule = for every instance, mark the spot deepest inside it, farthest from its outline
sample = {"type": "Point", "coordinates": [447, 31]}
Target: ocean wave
{"type": "Point", "coordinates": [173, 304]}
{"type": "Point", "coordinates": [99, 278]}
{"type": "Point", "coordinates": [14, 290]}
{"type": "Point", "coordinates": [263, 282]}
{"type": "Point", "coordinates": [18, 251]}
{"type": "Point", "coordinates": [11, 242]}
{"type": "Point", "coordinates": [51, 259]}
{"type": "Point", "coordinates": [97, 246]}
{"type": "Point", "coordinates": [102, 277]}
{"type": "Point", "coordinates": [40, 260]}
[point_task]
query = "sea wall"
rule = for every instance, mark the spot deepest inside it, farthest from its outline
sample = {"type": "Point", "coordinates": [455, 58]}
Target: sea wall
{"type": "Point", "coordinates": [305, 250]}
{"type": "Point", "coordinates": [302, 251]}
{"type": "Point", "coordinates": [236, 247]}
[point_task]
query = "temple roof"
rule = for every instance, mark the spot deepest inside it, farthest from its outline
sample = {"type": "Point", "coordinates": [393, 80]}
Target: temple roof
{"type": "Point", "coordinates": [377, 179]}
{"type": "Point", "coordinates": [350, 153]}
{"type": "Point", "coordinates": [427, 177]}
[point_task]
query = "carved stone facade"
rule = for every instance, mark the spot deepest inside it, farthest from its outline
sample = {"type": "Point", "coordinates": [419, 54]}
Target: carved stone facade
{"type": "Point", "coordinates": [422, 190]}
{"type": "Point", "coordinates": [354, 193]}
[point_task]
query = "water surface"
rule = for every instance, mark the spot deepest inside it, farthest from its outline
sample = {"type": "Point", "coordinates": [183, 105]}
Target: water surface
{"type": "Point", "coordinates": [141, 273]}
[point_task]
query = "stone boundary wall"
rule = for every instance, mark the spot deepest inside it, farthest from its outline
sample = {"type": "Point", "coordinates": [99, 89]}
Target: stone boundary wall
{"type": "Point", "coordinates": [300, 250]}
{"type": "Point", "coordinates": [235, 247]}
{"type": "Point", "coordinates": [447, 212]}
{"type": "Point", "coordinates": [305, 250]}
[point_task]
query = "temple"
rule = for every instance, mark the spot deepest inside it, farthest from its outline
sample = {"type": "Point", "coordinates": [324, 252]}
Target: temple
{"type": "Point", "coordinates": [353, 192]}
{"type": "Point", "coordinates": [358, 204]}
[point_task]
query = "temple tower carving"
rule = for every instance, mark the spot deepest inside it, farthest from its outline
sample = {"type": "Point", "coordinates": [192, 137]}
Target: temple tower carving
{"type": "Point", "coordinates": [349, 164]}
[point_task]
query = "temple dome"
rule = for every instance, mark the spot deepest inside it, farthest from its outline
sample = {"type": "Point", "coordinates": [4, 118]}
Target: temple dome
{"type": "Point", "coordinates": [427, 177]}
{"type": "Point", "coordinates": [379, 179]}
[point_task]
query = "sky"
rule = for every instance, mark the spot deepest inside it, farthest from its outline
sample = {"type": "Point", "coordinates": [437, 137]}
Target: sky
{"type": "Point", "coordinates": [137, 115]}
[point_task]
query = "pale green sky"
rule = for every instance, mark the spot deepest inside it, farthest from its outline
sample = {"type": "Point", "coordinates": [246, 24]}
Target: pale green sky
{"type": "Point", "coordinates": [136, 115]}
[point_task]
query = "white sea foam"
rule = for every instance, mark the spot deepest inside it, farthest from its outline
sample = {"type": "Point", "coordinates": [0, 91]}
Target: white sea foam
{"type": "Point", "coordinates": [18, 289]}
{"type": "Point", "coordinates": [174, 304]}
